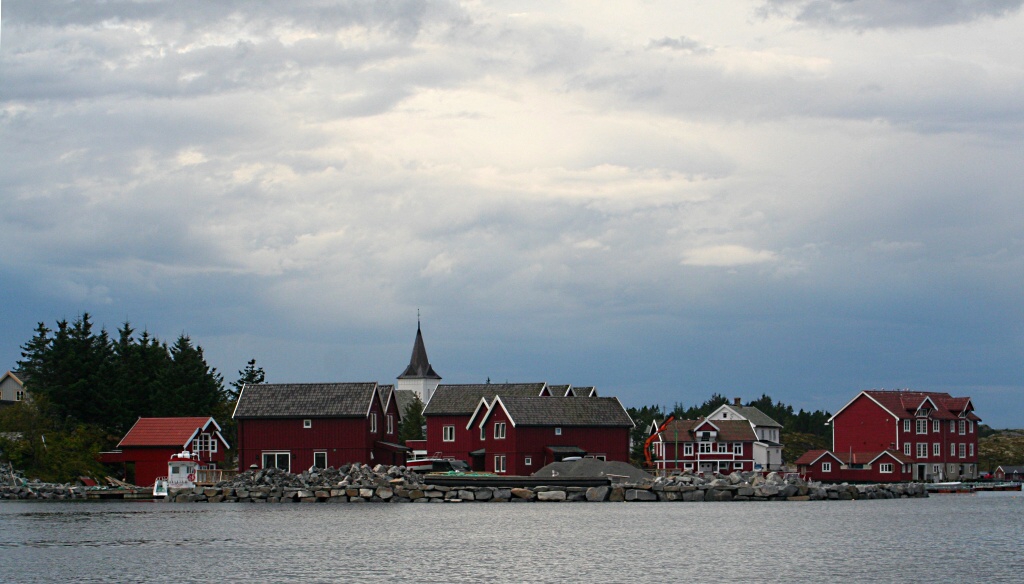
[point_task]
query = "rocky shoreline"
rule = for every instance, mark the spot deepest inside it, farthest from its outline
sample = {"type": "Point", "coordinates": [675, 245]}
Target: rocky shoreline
{"type": "Point", "coordinates": [362, 484]}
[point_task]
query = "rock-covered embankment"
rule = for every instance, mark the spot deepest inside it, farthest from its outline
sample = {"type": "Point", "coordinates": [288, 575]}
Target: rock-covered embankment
{"type": "Point", "coordinates": [358, 483]}
{"type": "Point", "coordinates": [42, 491]}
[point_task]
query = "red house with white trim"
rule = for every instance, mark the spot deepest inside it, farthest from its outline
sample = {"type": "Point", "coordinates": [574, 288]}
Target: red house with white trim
{"type": "Point", "coordinates": [149, 444]}
{"type": "Point", "coordinates": [297, 426]}
{"type": "Point", "coordinates": [519, 435]}
{"type": "Point", "coordinates": [887, 466]}
{"type": "Point", "coordinates": [705, 446]}
{"type": "Point", "coordinates": [935, 433]}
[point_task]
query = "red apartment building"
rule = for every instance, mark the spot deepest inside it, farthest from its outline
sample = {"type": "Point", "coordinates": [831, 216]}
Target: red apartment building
{"type": "Point", "coordinates": [932, 433]}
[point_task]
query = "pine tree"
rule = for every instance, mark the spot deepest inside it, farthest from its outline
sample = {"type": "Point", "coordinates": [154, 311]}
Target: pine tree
{"type": "Point", "coordinates": [413, 421]}
{"type": "Point", "coordinates": [251, 375]}
{"type": "Point", "coordinates": [189, 387]}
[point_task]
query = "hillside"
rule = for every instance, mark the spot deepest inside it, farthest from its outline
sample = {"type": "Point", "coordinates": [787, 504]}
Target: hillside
{"type": "Point", "coordinates": [1000, 447]}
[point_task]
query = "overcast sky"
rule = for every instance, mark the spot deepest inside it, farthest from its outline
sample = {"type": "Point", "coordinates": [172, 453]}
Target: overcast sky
{"type": "Point", "coordinates": [804, 198]}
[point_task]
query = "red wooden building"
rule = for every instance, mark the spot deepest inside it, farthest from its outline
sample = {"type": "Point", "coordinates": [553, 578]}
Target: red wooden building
{"type": "Point", "coordinates": [887, 466]}
{"type": "Point", "coordinates": [705, 446]}
{"type": "Point", "coordinates": [450, 410]}
{"type": "Point", "coordinates": [934, 432]}
{"type": "Point", "coordinates": [149, 444]}
{"type": "Point", "coordinates": [519, 435]}
{"type": "Point", "coordinates": [297, 426]}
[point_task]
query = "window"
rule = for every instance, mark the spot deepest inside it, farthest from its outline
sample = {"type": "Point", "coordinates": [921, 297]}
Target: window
{"type": "Point", "coordinates": [499, 463]}
{"type": "Point", "coordinates": [204, 443]}
{"type": "Point", "coordinates": [307, 423]}
{"type": "Point", "coordinates": [935, 469]}
{"type": "Point", "coordinates": [688, 449]}
{"type": "Point", "coordinates": [963, 427]}
{"type": "Point", "coordinates": [391, 423]}
{"type": "Point", "coordinates": [952, 425]}
{"type": "Point", "coordinates": [952, 449]}
{"type": "Point", "coordinates": [922, 426]}
{"type": "Point", "coordinates": [970, 426]}
{"type": "Point", "coordinates": [906, 425]}
{"type": "Point", "coordinates": [281, 460]}
{"type": "Point", "coordinates": [373, 423]}
{"type": "Point", "coordinates": [922, 450]}
{"type": "Point", "coordinates": [906, 448]}
{"type": "Point", "coordinates": [737, 448]}
{"type": "Point", "coordinates": [935, 426]}
{"type": "Point", "coordinates": [558, 431]}
{"type": "Point", "coordinates": [320, 459]}
{"type": "Point", "coordinates": [528, 461]}
{"type": "Point", "coordinates": [705, 448]}
{"type": "Point", "coordinates": [737, 465]}
{"type": "Point", "coordinates": [885, 467]}
{"type": "Point", "coordinates": [483, 433]}
{"type": "Point", "coordinates": [936, 449]}
{"type": "Point", "coordinates": [19, 395]}
{"type": "Point", "coordinates": [963, 450]}
{"type": "Point", "coordinates": [826, 467]}
{"type": "Point", "coordinates": [971, 445]}
{"type": "Point", "coordinates": [688, 465]}
{"type": "Point", "coordinates": [499, 430]}
{"type": "Point", "coordinates": [174, 469]}
{"type": "Point", "coordinates": [723, 447]}
{"type": "Point", "coordinates": [448, 433]}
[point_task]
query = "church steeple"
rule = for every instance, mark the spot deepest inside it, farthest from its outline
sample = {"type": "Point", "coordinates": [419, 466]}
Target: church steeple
{"type": "Point", "coordinates": [419, 376]}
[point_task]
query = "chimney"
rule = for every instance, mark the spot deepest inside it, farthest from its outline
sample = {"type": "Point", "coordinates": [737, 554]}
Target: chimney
{"type": "Point", "coordinates": [736, 401]}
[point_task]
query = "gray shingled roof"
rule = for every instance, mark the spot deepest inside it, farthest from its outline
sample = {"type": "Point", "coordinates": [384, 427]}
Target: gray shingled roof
{"type": "Point", "coordinates": [419, 366]}
{"type": "Point", "coordinates": [553, 411]}
{"type": "Point", "coordinates": [756, 416]}
{"type": "Point", "coordinates": [559, 390]}
{"type": "Point", "coordinates": [455, 400]}
{"type": "Point", "coordinates": [404, 397]}
{"type": "Point", "coordinates": [305, 400]}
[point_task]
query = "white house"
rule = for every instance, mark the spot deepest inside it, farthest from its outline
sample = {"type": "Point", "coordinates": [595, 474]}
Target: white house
{"type": "Point", "coordinates": [767, 449]}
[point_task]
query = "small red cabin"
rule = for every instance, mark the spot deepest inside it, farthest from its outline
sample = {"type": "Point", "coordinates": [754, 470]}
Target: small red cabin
{"type": "Point", "coordinates": [151, 442]}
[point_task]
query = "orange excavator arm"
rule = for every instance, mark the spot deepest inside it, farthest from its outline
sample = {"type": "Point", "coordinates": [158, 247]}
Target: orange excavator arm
{"type": "Point", "coordinates": [647, 443]}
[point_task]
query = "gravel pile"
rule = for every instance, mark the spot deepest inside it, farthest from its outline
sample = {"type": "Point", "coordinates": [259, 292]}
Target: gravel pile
{"type": "Point", "coordinates": [592, 467]}
{"type": "Point", "coordinates": [349, 475]}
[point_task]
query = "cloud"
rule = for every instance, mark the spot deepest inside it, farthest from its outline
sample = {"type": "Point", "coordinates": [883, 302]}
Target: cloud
{"type": "Point", "coordinates": [871, 14]}
{"type": "Point", "coordinates": [727, 256]}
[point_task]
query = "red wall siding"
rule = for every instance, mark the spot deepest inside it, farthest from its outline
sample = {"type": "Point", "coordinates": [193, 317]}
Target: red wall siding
{"type": "Point", "coordinates": [346, 440]}
{"type": "Point", "coordinates": [864, 427]}
{"type": "Point", "coordinates": [463, 443]}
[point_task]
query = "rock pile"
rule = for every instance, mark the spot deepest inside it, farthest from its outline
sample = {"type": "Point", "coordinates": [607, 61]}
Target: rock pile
{"type": "Point", "coordinates": [42, 491]}
{"type": "Point", "coordinates": [360, 483]}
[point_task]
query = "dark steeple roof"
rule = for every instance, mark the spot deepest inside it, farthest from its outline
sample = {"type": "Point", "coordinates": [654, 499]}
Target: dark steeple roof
{"type": "Point", "coordinates": [419, 366]}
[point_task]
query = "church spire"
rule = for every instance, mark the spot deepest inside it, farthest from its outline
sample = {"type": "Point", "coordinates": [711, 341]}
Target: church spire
{"type": "Point", "coordinates": [419, 366]}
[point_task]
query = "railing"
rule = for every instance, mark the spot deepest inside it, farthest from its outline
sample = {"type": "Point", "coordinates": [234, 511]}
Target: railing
{"type": "Point", "coordinates": [212, 476]}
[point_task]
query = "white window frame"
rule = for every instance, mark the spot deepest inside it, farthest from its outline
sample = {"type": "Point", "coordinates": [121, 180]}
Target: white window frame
{"type": "Point", "coordinates": [320, 452]}
{"type": "Point", "coordinates": [952, 449]}
{"type": "Point", "coordinates": [906, 449]}
{"type": "Point", "coordinates": [737, 466]}
{"type": "Point", "coordinates": [307, 423]}
{"type": "Point", "coordinates": [963, 450]}
{"type": "Point", "coordinates": [885, 467]}
{"type": "Point", "coordinates": [688, 449]}
{"type": "Point", "coordinates": [970, 448]}
{"type": "Point", "coordinates": [922, 426]}
{"type": "Point", "coordinates": [687, 466]}
{"type": "Point", "coordinates": [922, 450]}
{"type": "Point", "coordinates": [373, 423]}
{"type": "Point", "coordinates": [936, 468]}
{"type": "Point", "coordinates": [277, 454]}
{"type": "Point", "coordinates": [963, 427]}
{"type": "Point", "coordinates": [723, 448]}
{"type": "Point", "coordinates": [558, 431]}
{"type": "Point", "coordinates": [447, 433]}
{"type": "Point", "coordinates": [906, 426]}
{"type": "Point", "coordinates": [483, 433]}
{"type": "Point", "coordinates": [737, 448]}
{"type": "Point", "coordinates": [528, 461]}
{"type": "Point", "coordinates": [499, 430]}
{"type": "Point", "coordinates": [936, 427]}
{"type": "Point", "coordinates": [970, 426]}
{"type": "Point", "coordinates": [826, 467]}
{"type": "Point", "coordinates": [704, 448]}
{"type": "Point", "coordinates": [19, 395]}
{"type": "Point", "coordinates": [936, 449]}
{"type": "Point", "coordinates": [499, 463]}
{"type": "Point", "coordinates": [952, 426]}
{"type": "Point", "coordinates": [391, 423]}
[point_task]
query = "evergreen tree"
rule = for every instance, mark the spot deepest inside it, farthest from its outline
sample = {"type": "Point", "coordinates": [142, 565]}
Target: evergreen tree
{"type": "Point", "coordinates": [135, 379]}
{"type": "Point", "coordinates": [643, 418]}
{"type": "Point", "coordinates": [189, 387]}
{"type": "Point", "coordinates": [251, 375]}
{"type": "Point", "coordinates": [30, 369]}
{"type": "Point", "coordinates": [74, 373]}
{"type": "Point", "coordinates": [412, 421]}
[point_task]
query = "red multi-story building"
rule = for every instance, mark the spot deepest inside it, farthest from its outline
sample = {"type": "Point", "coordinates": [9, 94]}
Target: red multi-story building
{"type": "Point", "coordinates": [705, 446]}
{"type": "Point", "coordinates": [301, 425]}
{"type": "Point", "coordinates": [934, 433]}
{"type": "Point", "coordinates": [149, 444]}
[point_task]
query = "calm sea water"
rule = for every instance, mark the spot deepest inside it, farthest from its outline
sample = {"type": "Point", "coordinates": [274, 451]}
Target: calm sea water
{"type": "Point", "coordinates": [941, 539]}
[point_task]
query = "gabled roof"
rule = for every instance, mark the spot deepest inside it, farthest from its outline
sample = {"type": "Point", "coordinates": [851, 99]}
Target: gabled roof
{"type": "Point", "coordinates": [1008, 469]}
{"type": "Point", "coordinates": [871, 456]}
{"type": "Point", "coordinates": [167, 432]}
{"type": "Point", "coordinates": [384, 394]}
{"type": "Point", "coordinates": [905, 404]}
{"type": "Point", "coordinates": [12, 376]}
{"type": "Point", "coordinates": [554, 411]}
{"type": "Point", "coordinates": [560, 390]}
{"type": "Point", "coordinates": [585, 391]}
{"type": "Point", "coordinates": [404, 397]}
{"type": "Point", "coordinates": [813, 456]}
{"type": "Point", "coordinates": [306, 400]}
{"type": "Point", "coordinates": [461, 400]}
{"type": "Point", "coordinates": [749, 413]}
{"type": "Point", "coordinates": [419, 366]}
{"type": "Point", "coordinates": [728, 430]}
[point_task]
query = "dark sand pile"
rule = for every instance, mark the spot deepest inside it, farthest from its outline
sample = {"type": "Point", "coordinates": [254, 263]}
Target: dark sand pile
{"type": "Point", "coordinates": [591, 467]}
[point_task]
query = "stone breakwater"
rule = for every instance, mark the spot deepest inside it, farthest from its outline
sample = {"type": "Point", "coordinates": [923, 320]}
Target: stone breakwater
{"type": "Point", "coordinates": [42, 492]}
{"type": "Point", "coordinates": [362, 484]}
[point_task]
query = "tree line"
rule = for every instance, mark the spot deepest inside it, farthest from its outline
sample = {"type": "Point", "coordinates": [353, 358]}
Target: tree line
{"type": "Point", "coordinates": [88, 388]}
